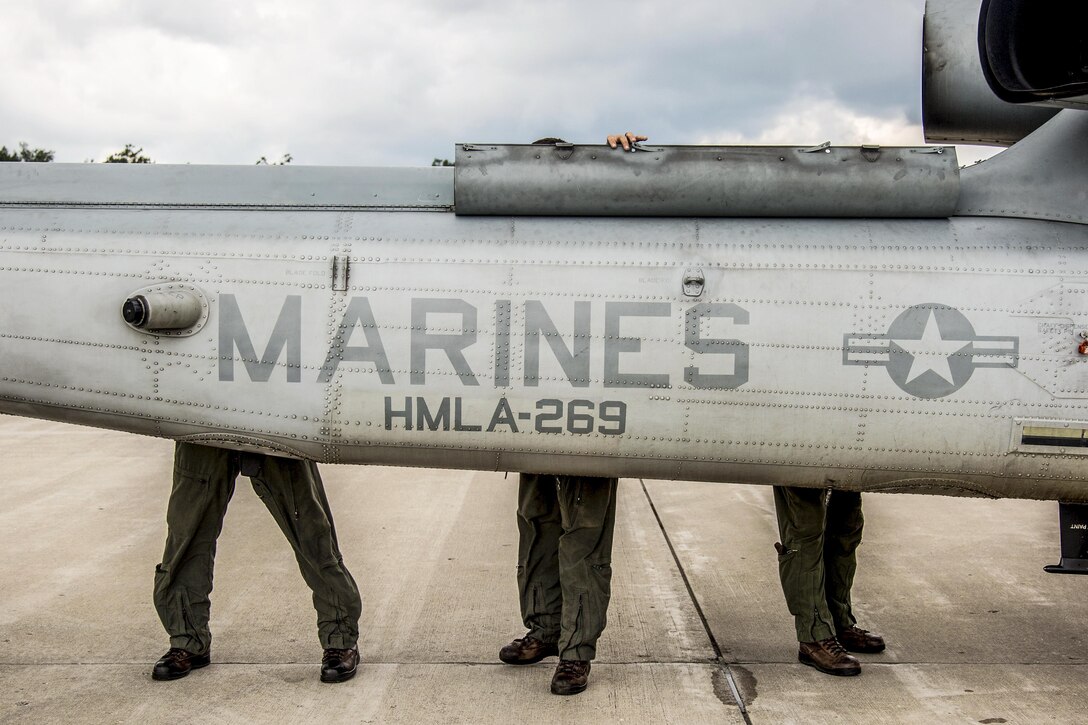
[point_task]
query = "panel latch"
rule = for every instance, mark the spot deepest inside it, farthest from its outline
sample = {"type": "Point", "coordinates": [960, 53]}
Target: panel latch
{"type": "Point", "coordinates": [340, 272]}
{"type": "Point", "coordinates": [693, 282]}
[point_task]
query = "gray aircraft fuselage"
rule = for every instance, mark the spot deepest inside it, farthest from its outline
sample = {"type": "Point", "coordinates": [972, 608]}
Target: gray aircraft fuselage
{"type": "Point", "coordinates": [869, 318]}
{"type": "Point", "coordinates": [358, 316]}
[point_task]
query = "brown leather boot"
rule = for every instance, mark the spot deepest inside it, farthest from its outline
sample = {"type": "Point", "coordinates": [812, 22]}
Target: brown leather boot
{"type": "Point", "coordinates": [856, 639]}
{"type": "Point", "coordinates": [527, 650]}
{"type": "Point", "coordinates": [339, 665]}
{"type": "Point", "coordinates": [571, 677]}
{"type": "Point", "coordinates": [828, 656]}
{"type": "Point", "coordinates": [177, 663]}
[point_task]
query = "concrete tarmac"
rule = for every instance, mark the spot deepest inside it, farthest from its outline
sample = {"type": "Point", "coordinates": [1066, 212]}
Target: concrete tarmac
{"type": "Point", "coordinates": [698, 630]}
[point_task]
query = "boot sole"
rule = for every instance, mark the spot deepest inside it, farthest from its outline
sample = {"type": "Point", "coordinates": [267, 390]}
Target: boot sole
{"type": "Point", "coordinates": [196, 665]}
{"type": "Point", "coordinates": [568, 691]}
{"type": "Point", "coordinates": [838, 673]}
{"type": "Point", "coordinates": [341, 677]}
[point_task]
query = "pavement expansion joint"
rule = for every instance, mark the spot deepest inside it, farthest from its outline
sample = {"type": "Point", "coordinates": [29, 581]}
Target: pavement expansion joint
{"type": "Point", "coordinates": [720, 660]}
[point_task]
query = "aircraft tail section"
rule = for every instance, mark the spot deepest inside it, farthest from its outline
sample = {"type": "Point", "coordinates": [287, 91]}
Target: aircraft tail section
{"type": "Point", "coordinates": [1042, 177]}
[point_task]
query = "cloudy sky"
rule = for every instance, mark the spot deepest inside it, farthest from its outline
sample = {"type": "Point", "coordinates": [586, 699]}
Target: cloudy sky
{"type": "Point", "coordinates": [399, 82]}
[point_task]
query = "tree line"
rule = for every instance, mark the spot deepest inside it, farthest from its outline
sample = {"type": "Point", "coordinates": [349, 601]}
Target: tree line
{"type": "Point", "coordinates": [128, 155]}
{"type": "Point", "coordinates": [131, 155]}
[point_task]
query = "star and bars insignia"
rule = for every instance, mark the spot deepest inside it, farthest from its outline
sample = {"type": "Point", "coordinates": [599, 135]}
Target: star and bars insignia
{"type": "Point", "coordinates": [931, 350]}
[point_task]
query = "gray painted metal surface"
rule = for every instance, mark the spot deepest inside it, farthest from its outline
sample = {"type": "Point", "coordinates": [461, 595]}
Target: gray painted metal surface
{"type": "Point", "coordinates": [870, 354]}
{"type": "Point", "coordinates": [156, 185]}
{"type": "Point", "coordinates": [348, 315]}
{"type": "Point", "coordinates": [1042, 177]}
{"type": "Point", "coordinates": [706, 181]}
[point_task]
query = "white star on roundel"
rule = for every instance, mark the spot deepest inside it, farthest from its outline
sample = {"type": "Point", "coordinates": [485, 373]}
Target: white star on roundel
{"type": "Point", "coordinates": [931, 352]}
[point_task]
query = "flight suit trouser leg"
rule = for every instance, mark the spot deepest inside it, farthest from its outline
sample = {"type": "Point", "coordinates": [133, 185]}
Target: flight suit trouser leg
{"type": "Point", "coordinates": [842, 535]}
{"type": "Point", "coordinates": [801, 518]}
{"type": "Point", "coordinates": [202, 487]}
{"type": "Point", "coordinates": [539, 529]}
{"type": "Point", "coordinates": [587, 508]}
{"type": "Point", "coordinates": [294, 495]}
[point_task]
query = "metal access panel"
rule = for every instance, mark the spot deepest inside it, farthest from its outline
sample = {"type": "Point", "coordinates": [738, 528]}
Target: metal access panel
{"type": "Point", "coordinates": [706, 181]}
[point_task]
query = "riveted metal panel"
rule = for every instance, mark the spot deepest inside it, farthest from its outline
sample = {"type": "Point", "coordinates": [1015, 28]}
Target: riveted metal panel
{"type": "Point", "coordinates": [873, 354]}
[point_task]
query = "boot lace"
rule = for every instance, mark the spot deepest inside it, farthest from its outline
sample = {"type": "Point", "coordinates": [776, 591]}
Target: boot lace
{"type": "Point", "coordinates": [570, 667]}
{"type": "Point", "coordinates": [833, 646]}
{"type": "Point", "coordinates": [176, 653]}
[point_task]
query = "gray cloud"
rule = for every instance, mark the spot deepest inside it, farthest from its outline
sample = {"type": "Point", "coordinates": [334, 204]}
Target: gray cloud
{"type": "Point", "coordinates": [399, 82]}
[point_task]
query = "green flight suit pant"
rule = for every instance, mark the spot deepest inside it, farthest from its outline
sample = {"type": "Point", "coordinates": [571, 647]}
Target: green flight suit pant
{"type": "Point", "coordinates": [565, 525]}
{"type": "Point", "coordinates": [292, 490]}
{"type": "Point", "coordinates": [820, 531]}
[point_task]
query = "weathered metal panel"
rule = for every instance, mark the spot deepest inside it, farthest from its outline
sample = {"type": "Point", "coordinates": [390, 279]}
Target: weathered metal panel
{"type": "Point", "coordinates": [1042, 177]}
{"type": "Point", "coordinates": [705, 181]}
{"type": "Point", "coordinates": [523, 337]}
